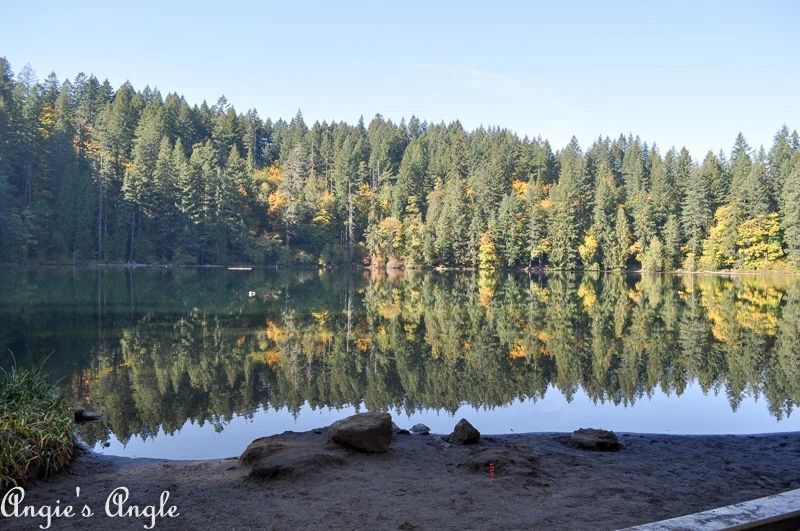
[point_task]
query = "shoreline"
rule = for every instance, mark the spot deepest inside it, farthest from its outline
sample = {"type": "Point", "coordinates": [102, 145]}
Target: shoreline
{"type": "Point", "coordinates": [356, 267]}
{"type": "Point", "coordinates": [424, 483]}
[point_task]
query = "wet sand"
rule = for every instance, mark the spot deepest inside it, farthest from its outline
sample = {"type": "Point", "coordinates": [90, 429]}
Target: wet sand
{"type": "Point", "coordinates": [424, 483]}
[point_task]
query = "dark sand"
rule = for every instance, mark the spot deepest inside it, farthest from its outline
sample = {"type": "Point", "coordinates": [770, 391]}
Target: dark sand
{"type": "Point", "coordinates": [423, 483]}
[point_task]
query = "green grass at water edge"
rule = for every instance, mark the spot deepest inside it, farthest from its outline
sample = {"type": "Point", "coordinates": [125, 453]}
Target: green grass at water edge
{"type": "Point", "coordinates": [36, 427]}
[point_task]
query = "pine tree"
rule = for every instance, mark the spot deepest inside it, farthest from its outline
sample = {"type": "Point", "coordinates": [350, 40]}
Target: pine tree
{"type": "Point", "coordinates": [10, 221]}
{"type": "Point", "coordinates": [138, 184]}
{"type": "Point", "coordinates": [253, 139]}
{"type": "Point", "coordinates": [714, 177]}
{"type": "Point", "coordinates": [412, 179]}
{"type": "Point", "coordinates": [234, 207]}
{"type": "Point", "coordinates": [75, 212]}
{"type": "Point", "coordinates": [565, 228]}
{"type": "Point", "coordinates": [510, 232]}
{"type": "Point", "coordinates": [210, 230]}
{"type": "Point", "coordinates": [189, 184]}
{"type": "Point", "coordinates": [636, 197]}
{"type": "Point", "coordinates": [663, 191]}
{"type": "Point", "coordinates": [604, 218]}
{"type": "Point", "coordinates": [741, 167]}
{"type": "Point", "coordinates": [790, 212]}
{"type": "Point", "coordinates": [448, 224]}
{"type": "Point", "coordinates": [227, 131]}
{"type": "Point", "coordinates": [672, 243]}
{"type": "Point", "coordinates": [294, 166]}
{"type": "Point", "coordinates": [780, 163]}
{"type": "Point", "coordinates": [653, 256]}
{"type": "Point", "coordinates": [758, 187]}
{"type": "Point", "coordinates": [696, 213]}
{"type": "Point", "coordinates": [618, 257]}
{"type": "Point", "coordinates": [165, 192]}
{"type": "Point", "coordinates": [413, 235]}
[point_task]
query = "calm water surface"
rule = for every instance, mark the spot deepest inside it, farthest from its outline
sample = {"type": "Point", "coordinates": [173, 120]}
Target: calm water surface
{"type": "Point", "coordinates": [185, 363]}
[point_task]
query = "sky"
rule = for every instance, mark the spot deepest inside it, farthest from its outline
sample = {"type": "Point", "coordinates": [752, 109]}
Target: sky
{"type": "Point", "coordinates": [676, 73]}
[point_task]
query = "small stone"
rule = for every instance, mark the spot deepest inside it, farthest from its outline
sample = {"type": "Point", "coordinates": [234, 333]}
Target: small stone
{"type": "Point", "coordinates": [82, 416]}
{"type": "Point", "coordinates": [420, 429]}
{"type": "Point", "coordinates": [464, 433]}
{"type": "Point", "coordinates": [595, 439]}
{"type": "Point", "coordinates": [370, 432]}
{"type": "Point", "coordinates": [397, 430]}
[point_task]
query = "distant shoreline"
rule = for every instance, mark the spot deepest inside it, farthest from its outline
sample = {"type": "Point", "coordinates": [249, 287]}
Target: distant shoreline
{"type": "Point", "coordinates": [439, 269]}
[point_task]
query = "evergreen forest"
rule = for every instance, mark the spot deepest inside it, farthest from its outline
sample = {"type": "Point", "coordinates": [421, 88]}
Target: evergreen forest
{"type": "Point", "coordinates": [90, 173]}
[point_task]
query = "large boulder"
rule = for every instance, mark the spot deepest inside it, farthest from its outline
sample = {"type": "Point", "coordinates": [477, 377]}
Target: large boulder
{"type": "Point", "coordinates": [287, 455]}
{"type": "Point", "coordinates": [464, 433]}
{"type": "Point", "coordinates": [594, 439]}
{"type": "Point", "coordinates": [369, 432]}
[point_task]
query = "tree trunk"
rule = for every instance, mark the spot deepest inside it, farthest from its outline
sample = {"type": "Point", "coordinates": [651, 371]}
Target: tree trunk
{"type": "Point", "coordinates": [349, 224]}
{"type": "Point", "coordinates": [133, 233]}
{"type": "Point", "coordinates": [100, 220]}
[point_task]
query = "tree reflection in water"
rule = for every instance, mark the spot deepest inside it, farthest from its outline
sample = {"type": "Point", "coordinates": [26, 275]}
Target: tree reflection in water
{"type": "Point", "coordinates": [154, 348]}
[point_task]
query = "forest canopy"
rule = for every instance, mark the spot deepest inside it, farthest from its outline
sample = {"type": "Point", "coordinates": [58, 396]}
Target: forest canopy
{"type": "Point", "coordinates": [90, 173]}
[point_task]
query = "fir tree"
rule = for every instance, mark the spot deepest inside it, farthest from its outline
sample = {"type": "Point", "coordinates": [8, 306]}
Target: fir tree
{"type": "Point", "coordinates": [696, 213]}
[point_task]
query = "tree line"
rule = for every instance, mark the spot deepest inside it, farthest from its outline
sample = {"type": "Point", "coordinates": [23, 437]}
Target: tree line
{"type": "Point", "coordinates": [89, 173]}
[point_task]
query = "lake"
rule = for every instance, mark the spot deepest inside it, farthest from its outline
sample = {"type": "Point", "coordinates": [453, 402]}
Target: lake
{"type": "Point", "coordinates": [196, 363]}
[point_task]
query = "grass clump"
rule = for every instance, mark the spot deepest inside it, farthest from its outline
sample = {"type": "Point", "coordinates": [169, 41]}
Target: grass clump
{"type": "Point", "coordinates": [36, 427]}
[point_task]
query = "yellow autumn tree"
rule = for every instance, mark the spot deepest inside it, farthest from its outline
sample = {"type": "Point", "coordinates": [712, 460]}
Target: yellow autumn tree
{"type": "Point", "coordinates": [487, 253]}
{"type": "Point", "coordinates": [588, 252]}
{"type": "Point", "coordinates": [759, 241]}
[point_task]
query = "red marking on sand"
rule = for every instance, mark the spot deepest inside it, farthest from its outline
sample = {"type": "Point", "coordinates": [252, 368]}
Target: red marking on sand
{"type": "Point", "coordinates": [491, 473]}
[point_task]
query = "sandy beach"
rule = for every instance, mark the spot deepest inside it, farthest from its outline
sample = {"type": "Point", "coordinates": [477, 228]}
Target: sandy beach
{"type": "Point", "coordinates": [423, 482]}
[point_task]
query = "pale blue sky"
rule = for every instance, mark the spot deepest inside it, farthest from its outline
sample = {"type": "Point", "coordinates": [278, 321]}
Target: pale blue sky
{"type": "Point", "coordinates": [677, 73]}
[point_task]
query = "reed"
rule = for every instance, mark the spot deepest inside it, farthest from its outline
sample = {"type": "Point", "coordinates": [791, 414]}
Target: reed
{"type": "Point", "coordinates": [36, 427]}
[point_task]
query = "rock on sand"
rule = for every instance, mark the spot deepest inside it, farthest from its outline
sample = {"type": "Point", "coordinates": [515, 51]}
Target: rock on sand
{"type": "Point", "coordinates": [287, 455]}
{"type": "Point", "coordinates": [594, 439]}
{"type": "Point", "coordinates": [464, 433]}
{"type": "Point", "coordinates": [369, 432]}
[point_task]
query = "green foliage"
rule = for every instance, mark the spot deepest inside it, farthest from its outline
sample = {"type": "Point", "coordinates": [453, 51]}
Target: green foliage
{"type": "Point", "coordinates": [604, 219]}
{"type": "Point", "coordinates": [653, 256]}
{"type": "Point", "coordinates": [790, 210]}
{"type": "Point", "coordinates": [672, 241]}
{"type": "Point", "coordinates": [36, 430]}
{"type": "Point", "coordinates": [413, 235]}
{"type": "Point", "coordinates": [620, 251]}
{"type": "Point", "coordinates": [89, 173]}
{"type": "Point", "coordinates": [510, 232]}
{"type": "Point", "coordinates": [566, 219]}
{"type": "Point", "coordinates": [696, 215]}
